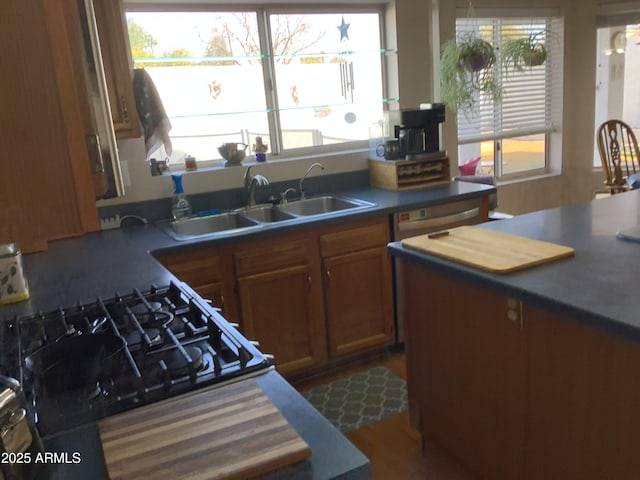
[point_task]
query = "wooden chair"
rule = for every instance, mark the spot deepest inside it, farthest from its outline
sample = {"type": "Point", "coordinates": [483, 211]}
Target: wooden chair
{"type": "Point", "coordinates": [619, 154]}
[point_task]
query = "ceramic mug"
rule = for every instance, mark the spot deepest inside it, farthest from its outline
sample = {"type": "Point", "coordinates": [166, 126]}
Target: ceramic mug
{"type": "Point", "coordinates": [390, 149]}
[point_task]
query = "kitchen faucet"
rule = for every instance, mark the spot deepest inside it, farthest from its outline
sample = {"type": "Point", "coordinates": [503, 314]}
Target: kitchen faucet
{"type": "Point", "coordinates": [250, 182]}
{"type": "Point", "coordinates": [305, 176]}
{"type": "Point", "coordinates": [283, 195]}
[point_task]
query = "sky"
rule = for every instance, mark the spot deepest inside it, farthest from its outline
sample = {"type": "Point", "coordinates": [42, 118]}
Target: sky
{"type": "Point", "coordinates": [192, 30]}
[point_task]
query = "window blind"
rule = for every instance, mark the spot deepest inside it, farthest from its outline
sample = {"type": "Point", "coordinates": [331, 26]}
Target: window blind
{"type": "Point", "coordinates": [529, 103]}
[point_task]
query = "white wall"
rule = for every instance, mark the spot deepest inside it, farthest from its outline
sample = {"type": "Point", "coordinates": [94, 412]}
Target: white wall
{"type": "Point", "coordinates": [145, 187]}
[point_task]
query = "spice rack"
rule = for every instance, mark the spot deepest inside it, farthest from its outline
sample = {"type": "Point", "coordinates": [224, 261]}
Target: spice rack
{"type": "Point", "coordinates": [420, 171]}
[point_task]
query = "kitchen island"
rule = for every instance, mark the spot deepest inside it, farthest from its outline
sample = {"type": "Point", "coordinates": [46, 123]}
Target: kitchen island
{"type": "Point", "coordinates": [533, 374]}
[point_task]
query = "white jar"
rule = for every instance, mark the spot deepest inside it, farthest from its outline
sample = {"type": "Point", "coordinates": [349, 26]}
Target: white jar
{"type": "Point", "coordinates": [13, 284]}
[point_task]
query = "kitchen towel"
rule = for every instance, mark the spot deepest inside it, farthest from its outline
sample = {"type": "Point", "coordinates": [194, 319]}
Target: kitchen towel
{"type": "Point", "coordinates": [152, 115]}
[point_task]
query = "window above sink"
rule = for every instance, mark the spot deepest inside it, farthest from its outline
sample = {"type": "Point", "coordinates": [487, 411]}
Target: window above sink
{"type": "Point", "coordinates": [216, 86]}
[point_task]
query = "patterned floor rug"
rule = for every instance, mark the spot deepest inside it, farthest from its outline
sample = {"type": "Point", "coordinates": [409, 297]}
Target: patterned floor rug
{"type": "Point", "coordinates": [363, 398]}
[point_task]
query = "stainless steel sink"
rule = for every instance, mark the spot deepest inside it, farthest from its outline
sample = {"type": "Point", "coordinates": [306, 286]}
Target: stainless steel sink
{"type": "Point", "coordinates": [197, 226]}
{"type": "Point", "coordinates": [323, 205]}
{"type": "Point", "coordinates": [265, 213]}
{"type": "Point", "coordinates": [254, 218]}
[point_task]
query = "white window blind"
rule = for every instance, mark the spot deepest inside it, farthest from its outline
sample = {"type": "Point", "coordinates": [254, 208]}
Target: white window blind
{"type": "Point", "coordinates": [529, 103]}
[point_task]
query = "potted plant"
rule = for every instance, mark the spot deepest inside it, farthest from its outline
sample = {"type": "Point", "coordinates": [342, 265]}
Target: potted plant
{"type": "Point", "coordinates": [529, 51]}
{"type": "Point", "coordinates": [466, 71]}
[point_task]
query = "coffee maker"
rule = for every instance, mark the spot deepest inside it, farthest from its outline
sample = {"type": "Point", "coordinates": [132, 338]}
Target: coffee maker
{"type": "Point", "coordinates": [419, 129]}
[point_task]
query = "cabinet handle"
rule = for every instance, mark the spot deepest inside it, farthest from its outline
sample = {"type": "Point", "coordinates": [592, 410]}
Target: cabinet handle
{"type": "Point", "coordinates": [125, 109]}
{"type": "Point", "coordinates": [328, 273]}
{"type": "Point", "coordinates": [309, 282]}
{"type": "Point", "coordinates": [514, 311]}
{"type": "Point", "coordinates": [221, 302]}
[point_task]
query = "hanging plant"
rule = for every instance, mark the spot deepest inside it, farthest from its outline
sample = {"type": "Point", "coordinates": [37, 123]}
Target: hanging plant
{"type": "Point", "coordinates": [466, 72]}
{"type": "Point", "coordinates": [530, 51]}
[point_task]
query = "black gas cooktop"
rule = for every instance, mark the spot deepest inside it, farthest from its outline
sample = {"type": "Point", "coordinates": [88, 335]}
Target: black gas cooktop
{"type": "Point", "coordinates": [172, 342]}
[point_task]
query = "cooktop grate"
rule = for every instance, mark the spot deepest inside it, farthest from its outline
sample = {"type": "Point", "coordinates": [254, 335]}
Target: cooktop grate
{"type": "Point", "coordinates": [174, 342]}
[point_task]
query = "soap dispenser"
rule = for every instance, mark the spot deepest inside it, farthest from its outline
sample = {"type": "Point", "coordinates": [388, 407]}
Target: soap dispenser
{"type": "Point", "coordinates": [180, 207]}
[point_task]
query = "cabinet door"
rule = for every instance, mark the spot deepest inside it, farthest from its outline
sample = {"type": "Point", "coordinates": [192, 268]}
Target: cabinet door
{"type": "Point", "coordinates": [280, 310]}
{"type": "Point", "coordinates": [584, 397]}
{"type": "Point", "coordinates": [46, 182]}
{"type": "Point", "coordinates": [358, 301]}
{"type": "Point", "coordinates": [466, 367]}
{"type": "Point", "coordinates": [209, 271]}
{"type": "Point", "coordinates": [114, 45]}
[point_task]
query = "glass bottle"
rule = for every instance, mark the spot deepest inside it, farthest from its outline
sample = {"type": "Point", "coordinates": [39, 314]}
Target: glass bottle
{"type": "Point", "coordinates": [180, 207]}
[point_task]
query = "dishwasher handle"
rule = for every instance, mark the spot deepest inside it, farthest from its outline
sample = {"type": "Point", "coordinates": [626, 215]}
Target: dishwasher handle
{"type": "Point", "coordinates": [439, 222]}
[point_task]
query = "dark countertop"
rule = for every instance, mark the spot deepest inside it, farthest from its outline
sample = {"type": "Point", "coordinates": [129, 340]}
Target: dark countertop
{"type": "Point", "coordinates": [386, 202]}
{"type": "Point", "coordinates": [97, 264]}
{"type": "Point", "coordinates": [103, 263]}
{"type": "Point", "coordinates": [598, 286]}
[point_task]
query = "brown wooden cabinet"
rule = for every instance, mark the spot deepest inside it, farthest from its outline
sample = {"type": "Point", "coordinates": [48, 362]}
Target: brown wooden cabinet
{"type": "Point", "coordinates": [466, 371]}
{"type": "Point", "coordinates": [516, 390]}
{"type": "Point", "coordinates": [307, 318]}
{"type": "Point", "coordinates": [46, 180]}
{"type": "Point", "coordinates": [209, 271]}
{"type": "Point", "coordinates": [310, 298]}
{"type": "Point", "coordinates": [112, 30]}
{"type": "Point", "coordinates": [358, 288]}
{"type": "Point", "coordinates": [280, 295]}
{"type": "Point", "coordinates": [585, 387]}
{"type": "Point", "coordinates": [44, 117]}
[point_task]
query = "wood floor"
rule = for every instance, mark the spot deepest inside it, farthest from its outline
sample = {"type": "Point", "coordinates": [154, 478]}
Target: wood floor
{"type": "Point", "coordinates": [392, 447]}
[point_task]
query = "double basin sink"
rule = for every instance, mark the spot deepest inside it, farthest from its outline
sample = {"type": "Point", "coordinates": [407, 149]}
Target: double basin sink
{"type": "Point", "coordinates": [255, 217]}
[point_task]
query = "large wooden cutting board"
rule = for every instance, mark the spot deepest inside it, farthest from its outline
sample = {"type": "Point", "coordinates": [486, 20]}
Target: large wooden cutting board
{"type": "Point", "coordinates": [495, 252]}
{"type": "Point", "coordinates": [232, 432]}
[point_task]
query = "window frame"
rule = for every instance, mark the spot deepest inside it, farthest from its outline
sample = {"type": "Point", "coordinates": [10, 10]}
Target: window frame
{"type": "Point", "coordinates": [552, 133]}
{"type": "Point", "coordinates": [610, 18]}
{"type": "Point", "coordinates": [263, 10]}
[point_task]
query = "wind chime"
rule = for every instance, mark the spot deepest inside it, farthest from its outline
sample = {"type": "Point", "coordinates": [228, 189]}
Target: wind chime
{"type": "Point", "coordinates": [346, 66]}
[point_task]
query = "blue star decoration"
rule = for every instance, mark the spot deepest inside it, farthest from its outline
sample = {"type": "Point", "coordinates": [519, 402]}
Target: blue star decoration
{"type": "Point", "coordinates": [343, 30]}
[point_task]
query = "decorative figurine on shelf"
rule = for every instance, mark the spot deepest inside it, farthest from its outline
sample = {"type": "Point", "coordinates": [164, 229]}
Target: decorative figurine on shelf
{"type": "Point", "coordinates": [260, 149]}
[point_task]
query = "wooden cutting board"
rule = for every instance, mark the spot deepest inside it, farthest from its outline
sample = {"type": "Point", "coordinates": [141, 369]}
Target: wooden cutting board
{"type": "Point", "coordinates": [495, 252]}
{"type": "Point", "coordinates": [232, 432]}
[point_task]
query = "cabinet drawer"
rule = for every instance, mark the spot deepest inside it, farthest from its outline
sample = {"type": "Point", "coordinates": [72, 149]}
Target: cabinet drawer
{"type": "Point", "coordinates": [197, 267]}
{"type": "Point", "coordinates": [272, 255]}
{"type": "Point", "coordinates": [367, 235]}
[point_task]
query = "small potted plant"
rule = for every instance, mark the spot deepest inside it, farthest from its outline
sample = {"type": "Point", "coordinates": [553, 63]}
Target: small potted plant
{"type": "Point", "coordinates": [466, 71]}
{"type": "Point", "coordinates": [518, 53]}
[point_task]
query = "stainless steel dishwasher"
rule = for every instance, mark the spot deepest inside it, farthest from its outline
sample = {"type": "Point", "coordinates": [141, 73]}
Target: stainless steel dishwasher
{"type": "Point", "coordinates": [419, 221]}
